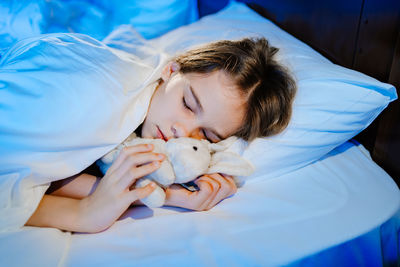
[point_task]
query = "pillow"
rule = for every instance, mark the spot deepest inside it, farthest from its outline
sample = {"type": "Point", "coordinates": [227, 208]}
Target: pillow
{"type": "Point", "coordinates": [332, 104]}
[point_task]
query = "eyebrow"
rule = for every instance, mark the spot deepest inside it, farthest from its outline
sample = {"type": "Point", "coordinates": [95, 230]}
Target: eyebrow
{"type": "Point", "coordinates": [198, 103]}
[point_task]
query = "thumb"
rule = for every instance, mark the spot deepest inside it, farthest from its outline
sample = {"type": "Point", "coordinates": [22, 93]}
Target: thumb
{"type": "Point", "coordinates": [142, 192]}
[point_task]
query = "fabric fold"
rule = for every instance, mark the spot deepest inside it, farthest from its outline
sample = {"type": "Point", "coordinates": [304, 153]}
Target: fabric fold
{"type": "Point", "coordinates": [65, 101]}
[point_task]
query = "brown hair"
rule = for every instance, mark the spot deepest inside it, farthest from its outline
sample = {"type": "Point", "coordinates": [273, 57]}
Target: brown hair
{"type": "Point", "coordinates": [250, 63]}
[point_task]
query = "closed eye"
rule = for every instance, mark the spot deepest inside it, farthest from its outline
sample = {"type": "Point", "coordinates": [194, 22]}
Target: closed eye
{"type": "Point", "coordinates": [205, 135]}
{"type": "Point", "coordinates": [211, 140]}
{"type": "Point", "coordinates": [185, 104]}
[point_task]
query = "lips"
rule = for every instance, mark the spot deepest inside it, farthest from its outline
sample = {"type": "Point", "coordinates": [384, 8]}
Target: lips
{"type": "Point", "coordinates": [161, 135]}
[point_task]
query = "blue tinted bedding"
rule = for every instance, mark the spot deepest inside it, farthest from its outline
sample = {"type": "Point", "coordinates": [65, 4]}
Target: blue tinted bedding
{"type": "Point", "coordinates": [23, 19]}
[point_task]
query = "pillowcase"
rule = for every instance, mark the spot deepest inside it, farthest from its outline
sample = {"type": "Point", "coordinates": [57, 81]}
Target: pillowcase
{"type": "Point", "coordinates": [332, 104]}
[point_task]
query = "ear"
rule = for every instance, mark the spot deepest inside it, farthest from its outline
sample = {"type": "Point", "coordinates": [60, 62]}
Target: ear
{"type": "Point", "coordinates": [230, 163]}
{"type": "Point", "coordinates": [222, 145]}
{"type": "Point", "coordinates": [169, 69]}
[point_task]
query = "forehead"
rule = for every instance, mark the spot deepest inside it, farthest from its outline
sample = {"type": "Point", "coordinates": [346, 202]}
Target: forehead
{"type": "Point", "coordinates": [221, 100]}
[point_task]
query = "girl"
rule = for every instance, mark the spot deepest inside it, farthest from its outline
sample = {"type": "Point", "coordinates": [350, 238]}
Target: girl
{"type": "Point", "coordinates": [221, 89]}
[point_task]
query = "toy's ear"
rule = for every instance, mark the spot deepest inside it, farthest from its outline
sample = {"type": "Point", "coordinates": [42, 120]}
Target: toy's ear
{"type": "Point", "coordinates": [222, 145]}
{"type": "Point", "coordinates": [230, 163]}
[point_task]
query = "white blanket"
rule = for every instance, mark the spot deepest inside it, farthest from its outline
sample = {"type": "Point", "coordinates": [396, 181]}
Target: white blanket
{"type": "Point", "coordinates": [65, 100]}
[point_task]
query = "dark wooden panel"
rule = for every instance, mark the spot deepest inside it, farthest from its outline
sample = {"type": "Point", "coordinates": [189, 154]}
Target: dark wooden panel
{"type": "Point", "coordinates": [377, 55]}
{"type": "Point", "coordinates": [329, 26]}
{"type": "Point", "coordinates": [387, 146]}
{"type": "Point", "coordinates": [374, 52]}
{"type": "Point", "coordinates": [377, 38]}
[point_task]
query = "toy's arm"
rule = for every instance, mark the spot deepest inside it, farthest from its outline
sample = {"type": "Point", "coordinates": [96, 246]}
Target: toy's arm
{"type": "Point", "coordinates": [213, 188]}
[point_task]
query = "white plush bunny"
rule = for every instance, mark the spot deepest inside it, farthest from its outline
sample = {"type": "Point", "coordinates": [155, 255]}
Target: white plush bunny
{"type": "Point", "coordinates": [186, 159]}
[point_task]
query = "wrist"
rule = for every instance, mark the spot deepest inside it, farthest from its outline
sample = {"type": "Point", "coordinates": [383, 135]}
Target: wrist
{"type": "Point", "coordinates": [175, 196]}
{"type": "Point", "coordinates": [81, 219]}
{"type": "Point", "coordinates": [168, 198]}
{"type": "Point", "coordinates": [86, 219]}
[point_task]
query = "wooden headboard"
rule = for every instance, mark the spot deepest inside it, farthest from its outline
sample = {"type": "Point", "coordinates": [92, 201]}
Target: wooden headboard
{"type": "Point", "coordinates": [363, 35]}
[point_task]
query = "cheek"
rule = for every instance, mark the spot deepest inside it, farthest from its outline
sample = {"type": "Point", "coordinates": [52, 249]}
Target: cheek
{"type": "Point", "coordinates": [230, 118]}
{"type": "Point", "coordinates": [166, 106]}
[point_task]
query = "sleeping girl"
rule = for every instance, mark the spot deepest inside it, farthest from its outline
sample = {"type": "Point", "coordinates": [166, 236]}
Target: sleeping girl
{"type": "Point", "coordinates": [218, 90]}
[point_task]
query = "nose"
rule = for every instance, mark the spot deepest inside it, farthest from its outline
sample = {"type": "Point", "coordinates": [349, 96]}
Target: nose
{"type": "Point", "coordinates": [187, 129]}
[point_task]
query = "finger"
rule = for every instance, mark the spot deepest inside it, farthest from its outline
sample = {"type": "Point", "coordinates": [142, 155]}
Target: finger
{"type": "Point", "coordinates": [141, 192]}
{"type": "Point", "coordinates": [231, 182]}
{"type": "Point", "coordinates": [208, 190]}
{"type": "Point", "coordinates": [136, 159]}
{"type": "Point", "coordinates": [179, 196]}
{"type": "Point", "coordinates": [226, 189]}
{"type": "Point", "coordinates": [126, 151]}
{"type": "Point", "coordinates": [135, 173]}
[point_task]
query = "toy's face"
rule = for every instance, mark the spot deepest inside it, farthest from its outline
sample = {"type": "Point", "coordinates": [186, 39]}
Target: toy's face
{"type": "Point", "coordinates": [190, 158]}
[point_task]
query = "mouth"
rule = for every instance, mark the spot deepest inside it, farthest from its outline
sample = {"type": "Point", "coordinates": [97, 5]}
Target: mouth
{"type": "Point", "coordinates": [160, 134]}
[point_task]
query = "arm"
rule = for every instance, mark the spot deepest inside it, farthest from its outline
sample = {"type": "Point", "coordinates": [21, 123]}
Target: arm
{"type": "Point", "coordinates": [110, 199]}
{"type": "Point", "coordinates": [213, 189]}
{"type": "Point", "coordinates": [58, 212]}
{"type": "Point", "coordinates": [77, 186]}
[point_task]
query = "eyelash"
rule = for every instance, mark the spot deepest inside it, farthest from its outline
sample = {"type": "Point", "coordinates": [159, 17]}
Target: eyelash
{"type": "Point", "coordinates": [187, 107]}
{"type": "Point", "coordinates": [205, 135]}
{"type": "Point", "coordinates": [185, 104]}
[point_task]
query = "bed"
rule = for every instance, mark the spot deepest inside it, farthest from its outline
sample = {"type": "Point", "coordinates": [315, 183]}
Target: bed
{"type": "Point", "coordinates": [317, 197]}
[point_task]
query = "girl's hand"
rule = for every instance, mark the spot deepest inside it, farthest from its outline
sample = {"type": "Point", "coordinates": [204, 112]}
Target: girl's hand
{"type": "Point", "coordinates": [213, 188]}
{"type": "Point", "coordinates": [113, 195]}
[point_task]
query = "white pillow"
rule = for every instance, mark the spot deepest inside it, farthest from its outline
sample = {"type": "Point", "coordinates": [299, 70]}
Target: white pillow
{"type": "Point", "coordinates": [332, 105]}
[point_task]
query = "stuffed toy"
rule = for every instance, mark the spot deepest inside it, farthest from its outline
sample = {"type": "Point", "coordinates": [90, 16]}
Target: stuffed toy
{"type": "Point", "coordinates": [186, 159]}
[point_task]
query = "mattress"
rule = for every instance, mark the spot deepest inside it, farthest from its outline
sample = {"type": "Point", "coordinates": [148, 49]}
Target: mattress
{"type": "Point", "coordinates": [268, 222]}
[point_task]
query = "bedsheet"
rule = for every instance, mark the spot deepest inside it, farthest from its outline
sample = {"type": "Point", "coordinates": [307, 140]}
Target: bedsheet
{"type": "Point", "coordinates": [321, 209]}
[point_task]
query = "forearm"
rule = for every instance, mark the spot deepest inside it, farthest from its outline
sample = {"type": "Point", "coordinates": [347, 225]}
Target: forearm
{"type": "Point", "coordinates": [61, 207]}
{"type": "Point", "coordinates": [58, 212]}
{"type": "Point", "coordinates": [78, 186]}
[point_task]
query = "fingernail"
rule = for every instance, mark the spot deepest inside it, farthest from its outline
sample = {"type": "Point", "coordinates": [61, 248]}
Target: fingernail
{"type": "Point", "coordinates": [160, 156]}
{"type": "Point", "coordinates": [156, 163]}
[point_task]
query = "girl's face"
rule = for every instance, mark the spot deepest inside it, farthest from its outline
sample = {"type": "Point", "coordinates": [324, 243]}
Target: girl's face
{"type": "Point", "coordinates": [202, 106]}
